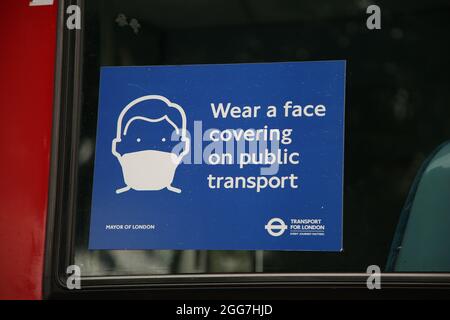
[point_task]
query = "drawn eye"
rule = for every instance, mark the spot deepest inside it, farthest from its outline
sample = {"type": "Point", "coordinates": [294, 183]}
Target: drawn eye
{"type": "Point", "coordinates": [163, 139]}
{"type": "Point", "coordinates": [138, 139]}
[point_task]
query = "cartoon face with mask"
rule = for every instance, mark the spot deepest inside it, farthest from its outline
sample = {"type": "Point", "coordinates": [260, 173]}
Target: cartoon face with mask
{"type": "Point", "coordinates": [143, 143]}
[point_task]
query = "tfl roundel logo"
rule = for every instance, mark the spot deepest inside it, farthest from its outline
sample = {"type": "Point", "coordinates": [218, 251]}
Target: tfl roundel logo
{"type": "Point", "coordinates": [275, 227]}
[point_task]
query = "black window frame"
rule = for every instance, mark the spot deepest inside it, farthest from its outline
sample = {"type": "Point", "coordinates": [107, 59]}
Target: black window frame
{"type": "Point", "coordinates": [59, 251]}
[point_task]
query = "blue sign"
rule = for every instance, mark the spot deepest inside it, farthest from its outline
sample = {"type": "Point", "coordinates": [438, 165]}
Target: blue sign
{"type": "Point", "coordinates": [220, 157]}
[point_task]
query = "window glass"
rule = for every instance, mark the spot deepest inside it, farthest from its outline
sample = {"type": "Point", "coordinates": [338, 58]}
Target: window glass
{"type": "Point", "coordinates": [397, 113]}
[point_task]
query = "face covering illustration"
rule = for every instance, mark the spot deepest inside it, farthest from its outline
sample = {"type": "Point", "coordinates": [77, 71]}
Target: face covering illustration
{"type": "Point", "coordinates": [145, 130]}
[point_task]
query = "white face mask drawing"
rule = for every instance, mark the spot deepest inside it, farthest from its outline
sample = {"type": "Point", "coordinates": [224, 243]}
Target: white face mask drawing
{"type": "Point", "coordinates": [149, 170]}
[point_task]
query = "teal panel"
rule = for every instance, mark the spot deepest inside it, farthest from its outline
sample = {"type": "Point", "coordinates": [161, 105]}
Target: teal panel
{"type": "Point", "coordinates": [426, 240]}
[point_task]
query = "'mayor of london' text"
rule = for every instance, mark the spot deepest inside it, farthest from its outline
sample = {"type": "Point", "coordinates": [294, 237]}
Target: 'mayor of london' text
{"type": "Point", "coordinates": [130, 227]}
